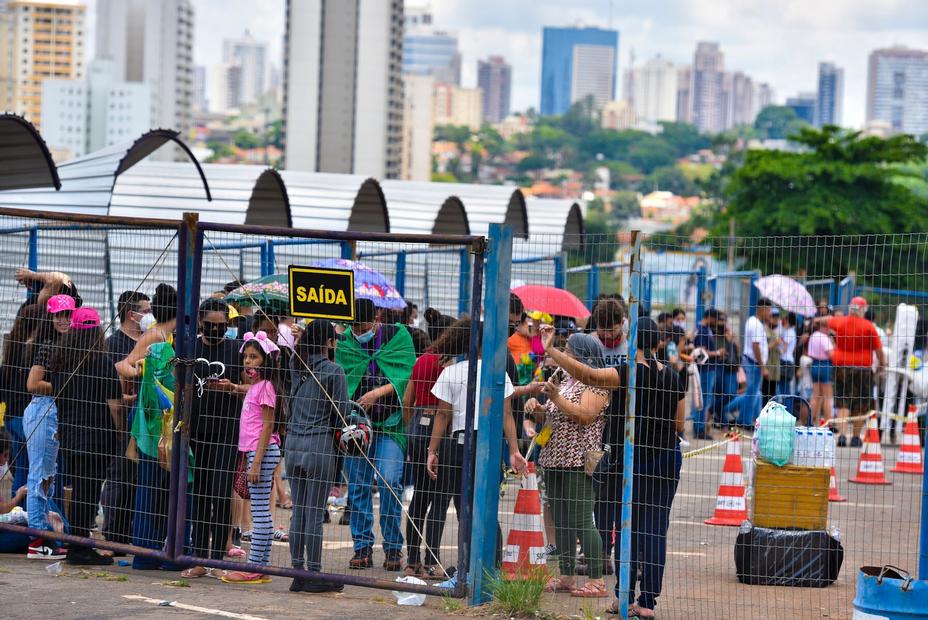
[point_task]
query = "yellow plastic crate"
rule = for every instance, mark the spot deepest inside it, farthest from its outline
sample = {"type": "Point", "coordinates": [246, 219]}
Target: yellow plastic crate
{"type": "Point", "coordinates": [790, 496]}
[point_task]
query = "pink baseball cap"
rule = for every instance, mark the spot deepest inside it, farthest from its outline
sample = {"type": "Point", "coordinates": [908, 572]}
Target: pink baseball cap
{"type": "Point", "coordinates": [85, 318]}
{"type": "Point", "coordinates": [60, 303]}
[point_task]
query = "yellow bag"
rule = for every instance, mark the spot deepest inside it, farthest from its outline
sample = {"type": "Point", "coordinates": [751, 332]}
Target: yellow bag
{"type": "Point", "coordinates": [166, 441]}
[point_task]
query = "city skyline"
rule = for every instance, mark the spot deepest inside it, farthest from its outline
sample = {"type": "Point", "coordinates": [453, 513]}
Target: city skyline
{"type": "Point", "coordinates": [779, 42]}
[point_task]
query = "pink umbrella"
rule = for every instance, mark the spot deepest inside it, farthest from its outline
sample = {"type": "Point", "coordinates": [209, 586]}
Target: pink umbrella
{"type": "Point", "coordinates": [552, 300]}
{"type": "Point", "coordinates": [787, 293]}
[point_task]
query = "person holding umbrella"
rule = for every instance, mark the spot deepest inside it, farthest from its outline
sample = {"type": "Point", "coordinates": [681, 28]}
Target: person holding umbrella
{"type": "Point", "coordinates": [378, 361]}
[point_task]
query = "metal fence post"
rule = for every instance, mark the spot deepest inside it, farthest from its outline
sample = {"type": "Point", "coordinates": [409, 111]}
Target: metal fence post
{"type": "Point", "coordinates": [700, 293]}
{"type": "Point", "coordinates": [34, 249]}
{"type": "Point", "coordinates": [592, 285]}
{"type": "Point", "coordinates": [189, 264]}
{"type": "Point", "coordinates": [489, 452]}
{"type": "Point", "coordinates": [628, 468]}
{"type": "Point", "coordinates": [401, 272]}
{"type": "Point", "coordinates": [464, 284]}
{"type": "Point", "coordinates": [560, 278]}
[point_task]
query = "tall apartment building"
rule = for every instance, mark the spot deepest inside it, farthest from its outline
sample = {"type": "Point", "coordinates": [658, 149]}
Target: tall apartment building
{"type": "Point", "coordinates": [39, 40]}
{"type": "Point", "coordinates": [200, 86]}
{"type": "Point", "coordinates": [684, 92]}
{"type": "Point", "coordinates": [82, 116]}
{"type": "Point", "coordinates": [829, 104]}
{"type": "Point", "coordinates": [429, 51]}
{"type": "Point", "coordinates": [343, 88]}
{"type": "Point", "coordinates": [577, 63]}
{"type": "Point", "coordinates": [803, 105]}
{"type": "Point", "coordinates": [418, 127]}
{"type": "Point", "coordinates": [706, 91]}
{"type": "Point", "coordinates": [454, 105]}
{"type": "Point", "coordinates": [152, 42]}
{"type": "Point", "coordinates": [897, 89]}
{"type": "Point", "coordinates": [225, 87]}
{"type": "Point", "coordinates": [652, 90]}
{"type": "Point", "coordinates": [494, 77]}
{"type": "Point", "coordinates": [739, 100]}
{"type": "Point", "coordinates": [764, 96]}
{"type": "Point", "coordinates": [250, 57]}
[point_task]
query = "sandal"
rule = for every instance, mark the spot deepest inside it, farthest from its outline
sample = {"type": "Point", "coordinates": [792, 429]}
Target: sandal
{"type": "Point", "coordinates": [590, 589]}
{"type": "Point", "coordinates": [281, 536]}
{"type": "Point", "coordinates": [414, 570]}
{"type": "Point", "coordinates": [434, 572]}
{"type": "Point", "coordinates": [238, 576]}
{"type": "Point", "coordinates": [196, 572]}
{"type": "Point", "coordinates": [236, 552]}
{"type": "Point", "coordinates": [633, 610]}
{"type": "Point", "coordinates": [557, 586]}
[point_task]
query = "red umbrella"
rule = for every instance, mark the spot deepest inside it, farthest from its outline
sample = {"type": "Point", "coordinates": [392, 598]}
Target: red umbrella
{"type": "Point", "coordinates": [552, 300]}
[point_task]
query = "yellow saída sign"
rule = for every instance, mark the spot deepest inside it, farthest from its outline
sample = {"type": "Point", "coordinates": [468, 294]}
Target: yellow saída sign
{"type": "Point", "coordinates": [321, 293]}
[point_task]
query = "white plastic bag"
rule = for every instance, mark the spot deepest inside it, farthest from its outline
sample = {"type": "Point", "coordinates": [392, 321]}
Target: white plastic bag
{"type": "Point", "coordinates": [409, 598]}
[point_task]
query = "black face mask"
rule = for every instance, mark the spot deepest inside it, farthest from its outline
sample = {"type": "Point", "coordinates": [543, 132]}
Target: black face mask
{"type": "Point", "coordinates": [214, 333]}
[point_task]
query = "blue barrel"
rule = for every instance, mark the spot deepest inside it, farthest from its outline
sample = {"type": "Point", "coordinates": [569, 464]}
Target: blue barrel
{"type": "Point", "coordinates": [889, 593]}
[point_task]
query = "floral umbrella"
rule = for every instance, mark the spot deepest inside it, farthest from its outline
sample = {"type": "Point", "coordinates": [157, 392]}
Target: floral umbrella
{"type": "Point", "coordinates": [368, 283]}
{"type": "Point", "coordinates": [269, 292]}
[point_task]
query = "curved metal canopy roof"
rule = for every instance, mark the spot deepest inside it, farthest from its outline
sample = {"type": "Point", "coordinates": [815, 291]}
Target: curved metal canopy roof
{"type": "Point", "coordinates": [420, 208]}
{"type": "Point", "coordinates": [25, 161]}
{"type": "Point", "coordinates": [325, 201]}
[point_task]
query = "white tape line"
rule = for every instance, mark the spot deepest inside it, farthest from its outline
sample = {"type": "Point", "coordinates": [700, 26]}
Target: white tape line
{"type": "Point", "coordinates": [184, 606]}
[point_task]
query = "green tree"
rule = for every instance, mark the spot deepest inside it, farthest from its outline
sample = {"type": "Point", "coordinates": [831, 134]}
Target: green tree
{"type": "Point", "coordinates": [245, 139]}
{"type": "Point", "coordinates": [651, 153]}
{"type": "Point", "coordinates": [683, 137]}
{"type": "Point", "coordinates": [459, 134]}
{"type": "Point", "coordinates": [533, 162]}
{"type": "Point", "coordinates": [671, 179]}
{"type": "Point", "coordinates": [581, 119]}
{"type": "Point", "coordinates": [625, 204]}
{"type": "Point", "coordinates": [601, 242]}
{"type": "Point", "coordinates": [842, 193]}
{"type": "Point", "coordinates": [220, 150]}
{"type": "Point", "coordinates": [276, 130]}
{"type": "Point", "coordinates": [776, 121]}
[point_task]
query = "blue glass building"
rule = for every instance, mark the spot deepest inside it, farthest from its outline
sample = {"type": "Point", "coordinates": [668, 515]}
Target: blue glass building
{"type": "Point", "coordinates": [432, 53]}
{"type": "Point", "coordinates": [804, 106]}
{"type": "Point", "coordinates": [558, 60]}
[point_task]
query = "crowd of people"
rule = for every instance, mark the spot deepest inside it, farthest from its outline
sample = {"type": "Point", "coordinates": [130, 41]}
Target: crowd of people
{"type": "Point", "coordinates": [377, 407]}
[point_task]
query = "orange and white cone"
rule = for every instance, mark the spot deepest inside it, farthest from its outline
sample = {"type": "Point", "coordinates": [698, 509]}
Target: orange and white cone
{"type": "Point", "coordinates": [870, 466]}
{"type": "Point", "coordinates": [731, 506]}
{"type": "Point", "coordinates": [833, 494]}
{"type": "Point", "coordinates": [525, 544]}
{"type": "Point", "coordinates": [909, 457]}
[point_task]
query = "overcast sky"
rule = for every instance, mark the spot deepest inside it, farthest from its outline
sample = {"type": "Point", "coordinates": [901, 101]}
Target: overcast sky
{"type": "Point", "coordinates": [777, 41]}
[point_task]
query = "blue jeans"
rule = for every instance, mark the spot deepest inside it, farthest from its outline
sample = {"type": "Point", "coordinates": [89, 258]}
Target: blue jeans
{"type": "Point", "coordinates": [40, 425]}
{"type": "Point", "coordinates": [149, 528]}
{"type": "Point", "coordinates": [749, 403]}
{"type": "Point", "coordinates": [708, 382]}
{"type": "Point", "coordinates": [727, 390]}
{"type": "Point", "coordinates": [388, 458]}
{"type": "Point", "coordinates": [18, 454]}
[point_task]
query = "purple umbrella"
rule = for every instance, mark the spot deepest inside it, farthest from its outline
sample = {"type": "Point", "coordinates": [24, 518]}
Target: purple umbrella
{"type": "Point", "coordinates": [368, 283]}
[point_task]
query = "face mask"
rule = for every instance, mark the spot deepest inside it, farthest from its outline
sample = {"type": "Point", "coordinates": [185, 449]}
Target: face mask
{"type": "Point", "coordinates": [214, 333]}
{"type": "Point", "coordinates": [612, 343]}
{"type": "Point", "coordinates": [366, 336]}
{"type": "Point", "coordinates": [146, 321]}
{"type": "Point", "coordinates": [417, 323]}
{"type": "Point", "coordinates": [3, 470]}
{"type": "Point", "coordinates": [680, 324]}
{"type": "Point", "coordinates": [232, 333]}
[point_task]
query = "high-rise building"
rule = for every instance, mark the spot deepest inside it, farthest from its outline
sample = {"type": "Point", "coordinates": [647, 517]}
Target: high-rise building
{"type": "Point", "coordinates": [429, 51]}
{"type": "Point", "coordinates": [763, 96]}
{"type": "Point", "coordinates": [82, 116]}
{"type": "Point", "coordinates": [830, 101]}
{"type": "Point", "coordinates": [454, 105]}
{"type": "Point", "coordinates": [706, 91]}
{"type": "Point", "coordinates": [618, 115]}
{"type": "Point", "coordinates": [684, 100]}
{"type": "Point", "coordinates": [152, 42]}
{"type": "Point", "coordinates": [225, 87]}
{"type": "Point", "coordinates": [494, 77]}
{"type": "Point", "coordinates": [897, 89]}
{"type": "Point", "coordinates": [39, 40]}
{"type": "Point", "coordinates": [577, 63]}
{"type": "Point", "coordinates": [652, 90]}
{"type": "Point", "coordinates": [418, 127]}
{"type": "Point", "coordinates": [740, 99]}
{"type": "Point", "coordinates": [343, 87]}
{"type": "Point", "coordinates": [251, 58]}
{"type": "Point", "coordinates": [803, 105]}
{"type": "Point", "coordinates": [200, 86]}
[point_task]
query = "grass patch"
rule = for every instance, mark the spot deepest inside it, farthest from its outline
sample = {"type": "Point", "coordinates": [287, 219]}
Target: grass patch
{"type": "Point", "coordinates": [452, 605]}
{"type": "Point", "coordinates": [177, 583]}
{"type": "Point", "coordinates": [518, 598]}
{"type": "Point", "coordinates": [590, 612]}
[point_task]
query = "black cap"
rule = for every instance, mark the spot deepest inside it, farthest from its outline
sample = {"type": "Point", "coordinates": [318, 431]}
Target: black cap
{"type": "Point", "coordinates": [364, 311]}
{"type": "Point", "coordinates": [318, 332]}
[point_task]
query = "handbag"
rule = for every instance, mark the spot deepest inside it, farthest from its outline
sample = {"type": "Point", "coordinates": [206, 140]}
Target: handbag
{"type": "Point", "coordinates": [166, 441]}
{"type": "Point", "coordinates": [240, 481]}
{"type": "Point", "coordinates": [591, 461]}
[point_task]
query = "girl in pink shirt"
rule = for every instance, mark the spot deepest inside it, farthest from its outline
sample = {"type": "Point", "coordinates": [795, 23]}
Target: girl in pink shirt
{"type": "Point", "coordinates": [820, 350]}
{"type": "Point", "coordinates": [260, 442]}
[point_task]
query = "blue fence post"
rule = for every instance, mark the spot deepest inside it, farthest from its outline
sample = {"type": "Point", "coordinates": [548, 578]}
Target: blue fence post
{"type": "Point", "coordinates": [33, 249]}
{"type": "Point", "coordinates": [628, 465]}
{"type": "Point", "coordinates": [271, 259]}
{"type": "Point", "coordinates": [700, 294]}
{"type": "Point", "coordinates": [560, 278]}
{"type": "Point", "coordinates": [712, 283]}
{"type": "Point", "coordinates": [644, 291]}
{"type": "Point", "coordinates": [464, 284]}
{"type": "Point", "coordinates": [753, 294]}
{"type": "Point", "coordinates": [592, 285]}
{"type": "Point", "coordinates": [400, 280]}
{"type": "Point", "coordinates": [263, 250]}
{"type": "Point", "coordinates": [347, 250]}
{"type": "Point", "coordinates": [487, 474]}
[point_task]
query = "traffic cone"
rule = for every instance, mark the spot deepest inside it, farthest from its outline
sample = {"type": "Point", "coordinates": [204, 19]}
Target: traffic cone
{"type": "Point", "coordinates": [525, 544]}
{"type": "Point", "coordinates": [730, 506]}
{"type": "Point", "coordinates": [909, 458]}
{"type": "Point", "coordinates": [870, 466]}
{"type": "Point", "coordinates": [833, 494]}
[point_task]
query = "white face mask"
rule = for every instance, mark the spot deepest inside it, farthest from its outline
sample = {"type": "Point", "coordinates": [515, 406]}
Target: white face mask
{"type": "Point", "coordinates": [680, 324]}
{"type": "Point", "coordinates": [146, 322]}
{"type": "Point", "coordinates": [417, 322]}
{"type": "Point", "coordinates": [3, 470]}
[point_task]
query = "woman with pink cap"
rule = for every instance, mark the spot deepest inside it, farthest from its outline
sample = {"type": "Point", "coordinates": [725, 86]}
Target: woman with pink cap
{"type": "Point", "coordinates": [40, 423]}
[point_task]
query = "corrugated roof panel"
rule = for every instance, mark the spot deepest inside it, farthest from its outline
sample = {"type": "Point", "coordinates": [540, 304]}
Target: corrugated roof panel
{"type": "Point", "coordinates": [339, 202]}
{"type": "Point", "coordinates": [25, 161]}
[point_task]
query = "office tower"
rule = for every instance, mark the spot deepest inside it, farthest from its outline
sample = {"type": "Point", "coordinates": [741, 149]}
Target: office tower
{"type": "Point", "coordinates": [225, 87]}
{"type": "Point", "coordinates": [576, 63]}
{"type": "Point", "coordinates": [653, 90]}
{"type": "Point", "coordinates": [763, 96]}
{"type": "Point", "coordinates": [82, 116]}
{"type": "Point", "coordinates": [803, 105]}
{"type": "Point", "coordinates": [152, 42]}
{"type": "Point", "coordinates": [343, 88]}
{"type": "Point", "coordinates": [251, 58]}
{"type": "Point", "coordinates": [429, 51]}
{"type": "Point", "coordinates": [494, 77]}
{"type": "Point", "coordinates": [418, 127]}
{"type": "Point", "coordinates": [39, 40]}
{"type": "Point", "coordinates": [684, 100]}
{"type": "Point", "coordinates": [706, 91]}
{"type": "Point", "coordinates": [200, 86]}
{"type": "Point", "coordinates": [454, 105]}
{"type": "Point", "coordinates": [897, 89]}
{"type": "Point", "coordinates": [830, 101]}
{"type": "Point", "coordinates": [741, 97]}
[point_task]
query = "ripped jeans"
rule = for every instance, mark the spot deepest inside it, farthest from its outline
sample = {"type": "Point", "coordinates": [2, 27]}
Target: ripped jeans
{"type": "Point", "coordinates": [40, 426]}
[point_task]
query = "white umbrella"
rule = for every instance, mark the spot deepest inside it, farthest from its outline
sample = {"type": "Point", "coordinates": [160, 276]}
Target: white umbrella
{"type": "Point", "coordinates": [787, 293]}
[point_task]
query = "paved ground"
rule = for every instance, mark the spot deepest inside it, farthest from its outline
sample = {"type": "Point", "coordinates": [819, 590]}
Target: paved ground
{"type": "Point", "coordinates": [878, 526]}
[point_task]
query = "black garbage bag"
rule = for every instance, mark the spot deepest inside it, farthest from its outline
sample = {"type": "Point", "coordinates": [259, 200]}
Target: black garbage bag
{"type": "Point", "coordinates": [798, 558]}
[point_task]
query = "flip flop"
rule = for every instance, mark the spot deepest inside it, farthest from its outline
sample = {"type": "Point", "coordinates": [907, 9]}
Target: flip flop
{"type": "Point", "coordinates": [590, 590]}
{"type": "Point", "coordinates": [194, 572]}
{"type": "Point", "coordinates": [554, 586]}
